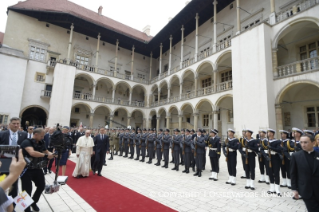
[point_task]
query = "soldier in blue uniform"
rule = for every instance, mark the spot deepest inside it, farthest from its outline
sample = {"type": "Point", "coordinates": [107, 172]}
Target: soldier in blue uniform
{"type": "Point", "coordinates": [158, 147]}
{"type": "Point", "coordinates": [264, 176]}
{"type": "Point", "coordinates": [230, 151]}
{"type": "Point", "coordinates": [193, 162]}
{"type": "Point", "coordinates": [143, 144]}
{"type": "Point", "coordinates": [132, 142]}
{"type": "Point", "coordinates": [137, 144]}
{"type": "Point", "coordinates": [181, 156]}
{"type": "Point", "coordinates": [150, 145]}
{"type": "Point", "coordinates": [126, 141]}
{"type": "Point", "coordinates": [288, 149]}
{"type": "Point", "coordinates": [199, 152]}
{"type": "Point", "coordinates": [187, 150]}
{"type": "Point", "coordinates": [167, 139]}
{"type": "Point", "coordinates": [297, 133]}
{"type": "Point", "coordinates": [121, 134]}
{"type": "Point", "coordinates": [176, 146]}
{"type": "Point", "coordinates": [214, 145]}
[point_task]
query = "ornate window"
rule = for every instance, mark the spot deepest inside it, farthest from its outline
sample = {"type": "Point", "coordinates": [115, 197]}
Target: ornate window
{"type": "Point", "coordinates": [38, 50]}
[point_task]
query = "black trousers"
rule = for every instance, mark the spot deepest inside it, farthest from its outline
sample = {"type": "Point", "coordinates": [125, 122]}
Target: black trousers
{"type": "Point", "coordinates": [50, 162]}
{"type": "Point", "coordinates": [138, 151]}
{"type": "Point", "coordinates": [143, 148]}
{"type": "Point", "coordinates": [204, 160]}
{"type": "Point", "coordinates": [159, 154]}
{"type": "Point", "coordinates": [150, 151]}
{"type": "Point", "coordinates": [312, 204]}
{"type": "Point", "coordinates": [266, 163]}
{"type": "Point", "coordinates": [187, 160]}
{"type": "Point", "coordinates": [250, 167]}
{"type": "Point", "coordinates": [262, 165]}
{"type": "Point", "coordinates": [243, 160]}
{"type": "Point", "coordinates": [285, 169]}
{"type": "Point", "coordinates": [274, 169]}
{"type": "Point", "coordinates": [232, 163]}
{"type": "Point", "coordinates": [36, 176]}
{"type": "Point", "coordinates": [99, 161]}
{"type": "Point", "coordinates": [181, 155]}
{"type": "Point", "coordinates": [200, 161]}
{"type": "Point", "coordinates": [215, 163]}
{"type": "Point", "coordinates": [126, 148]}
{"type": "Point", "coordinates": [166, 156]}
{"type": "Point", "coordinates": [176, 158]}
{"type": "Point", "coordinates": [193, 161]}
{"type": "Point", "coordinates": [132, 150]}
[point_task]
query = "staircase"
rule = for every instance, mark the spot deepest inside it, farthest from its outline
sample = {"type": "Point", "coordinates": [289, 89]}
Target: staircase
{"type": "Point", "coordinates": [115, 124]}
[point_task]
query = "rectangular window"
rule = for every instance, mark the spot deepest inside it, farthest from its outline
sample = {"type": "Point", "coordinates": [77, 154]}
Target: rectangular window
{"type": "Point", "coordinates": [77, 110]}
{"type": "Point", "coordinates": [312, 113]}
{"type": "Point", "coordinates": [205, 120]}
{"type": "Point", "coordinates": [166, 68]}
{"type": "Point", "coordinates": [40, 77]}
{"type": "Point", "coordinates": [206, 82]}
{"type": "Point", "coordinates": [141, 76]}
{"type": "Point", "coordinates": [226, 76]}
{"type": "Point", "coordinates": [4, 119]}
{"type": "Point", "coordinates": [82, 60]}
{"type": "Point", "coordinates": [37, 53]}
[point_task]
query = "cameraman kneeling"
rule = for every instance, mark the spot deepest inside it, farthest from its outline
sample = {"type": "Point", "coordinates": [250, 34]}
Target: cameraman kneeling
{"type": "Point", "coordinates": [35, 150]}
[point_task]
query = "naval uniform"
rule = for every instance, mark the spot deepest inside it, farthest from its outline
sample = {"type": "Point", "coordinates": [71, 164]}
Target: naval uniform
{"type": "Point", "coordinates": [275, 161]}
{"type": "Point", "coordinates": [230, 150]}
{"type": "Point", "coordinates": [176, 146]}
{"type": "Point", "coordinates": [243, 158]}
{"type": "Point", "coordinates": [288, 148]}
{"type": "Point", "coordinates": [214, 152]}
{"type": "Point", "coordinates": [132, 143]}
{"type": "Point", "coordinates": [137, 145]}
{"type": "Point", "coordinates": [188, 151]}
{"type": "Point", "coordinates": [262, 160]}
{"type": "Point", "coordinates": [250, 164]}
{"type": "Point", "coordinates": [167, 139]}
{"type": "Point", "coordinates": [158, 146]}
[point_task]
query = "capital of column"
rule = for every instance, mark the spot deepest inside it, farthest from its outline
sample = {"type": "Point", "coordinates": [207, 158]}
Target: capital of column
{"type": "Point", "coordinates": [99, 36]}
{"type": "Point", "coordinates": [196, 17]}
{"type": "Point", "coordinates": [72, 26]}
{"type": "Point", "coordinates": [91, 114]}
{"type": "Point", "coordinates": [183, 28]}
{"type": "Point", "coordinates": [171, 38]}
{"type": "Point", "coordinates": [195, 114]}
{"type": "Point", "coordinates": [274, 49]}
{"type": "Point", "coordinates": [161, 46]}
{"type": "Point", "coordinates": [215, 2]}
{"type": "Point", "coordinates": [158, 118]}
{"type": "Point", "coordinates": [167, 117]}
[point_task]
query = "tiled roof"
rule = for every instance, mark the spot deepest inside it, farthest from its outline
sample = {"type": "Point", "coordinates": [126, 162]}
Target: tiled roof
{"type": "Point", "coordinates": [1, 37]}
{"type": "Point", "coordinates": [81, 12]}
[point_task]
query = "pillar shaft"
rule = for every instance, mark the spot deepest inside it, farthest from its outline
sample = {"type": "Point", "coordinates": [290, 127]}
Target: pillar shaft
{"type": "Point", "coordinates": [132, 63]}
{"type": "Point", "coordinates": [180, 90]}
{"type": "Point", "coordinates": [182, 47]}
{"type": "Point", "coordinates": [274, 62]}
{"type": "Point", "coordinates": [215, 81]}
{"type": "Point", "coordinates": [70, 44]}
{"type": "Point", "coordinates": [128, 121]}
{"type": "Point", "coordinates": [168, 94]}
{"type": "Point", "coordinates": [93, 91]}
{"type": "Point", "coordinates": [170, 54]}
{"type": "Point", "coordinates": [116, 52]}
{"type": "Point", "coordinates": [279, 119]}
{"type": "Point", "coordinates": [97, 51]}
{"type": "Point", "coordinates": [272, 6]}
{"type": "Point", "coordinates": [215, 26]}
{"type": "Point", "coordinates": [168, 122]}
{"type": "Point", "coordinates": [151, 58]}
{"type": "Point", "coordinates": [196, 121]}
{"type": "Point", "coordinates": [216, 119]}
{"type": "Point", "coordinates": [196, 79]}
{"type": "Point", "coordinates": [180, 119]}
{"type": "Point", "coordinates": [157, 123]}
{"type": "Point", "coordinates": [196, 37]}
{"type": "Point", "coordinates": [238, 17]}
{"type": "Point", "coordinates": [111, 121]}
{"type": "Point", "coordinates": [160, 62]}
{"type": "Point", "coordinates": [113, 95]}
{"type": "Point", "coordinates": [91, 120]}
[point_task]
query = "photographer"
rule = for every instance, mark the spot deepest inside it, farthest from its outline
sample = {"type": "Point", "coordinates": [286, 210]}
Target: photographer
{"type": "Point", "coordinates": [34, 149]}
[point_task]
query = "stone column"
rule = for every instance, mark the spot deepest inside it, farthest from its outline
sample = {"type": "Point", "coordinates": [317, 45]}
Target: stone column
{"type": "Point", "coordinates": [216, 119]}
{"type": "Point", "coordinates": [196, 37]}
{"type": "Point", "coordinates": [274, 62]}
{"type": "Point", "coordinates": [149, 122]}
{"type": "Point", "coordinates": [132, 63]}
{"type": "Point", "coordinates": [215, 81]}
{"type": "Point", "coordinates": [151, 66]}
{"type": "Point", "coordinates": [97, 52]}
{"type": "Point", "coordinates": [111, 121]}
{"type": "Point", "coordinates": [157, 123]}
{"type": "Point", "coordinates": [128, 121]}
{"type": "Point", "coordinates": [182, 47]}
{"type": "Point", "coordinates": [160, 62]}
{"type": "Point", "coordinates": [272, 6]}
{"type": "Point", "coordinates": [272, 16]}
{"type": "Point", "coordinates": [93, 90]}
{"type": "Point", "coordinates": [91, 119]}
{"type": "Point", "coordinates": [159, 95]}
{"type": "Point", "coordinates": [170, 55]}
{"type": "Point", "coordinates": [180, 90]}
{"type": "Point", "coordinates": [113, 95]}
{"type": "Point", "coordinates": [180, 119]}
{"type": "Point", "coordinates": [196, 79]}
{"type": "Point", "coordinates": [279, 118]}
{"type": "Point", "coordinates": [196, 121]}
{"type": "Point", "coordinates": [238, 18]}
{"type": "Point", "coordinates": [168, 94]}
{"type": "Point", "coordinates": [144, 123]}
{"type": "Point", "coordinates": [70, 44]}
{"type": "Point", "coordinates": [168, 118]}
{"type": "Point", "coordinates": [116, 52]}
{"type": "Point", "coordinates": [215, 26]}
{"type": "Point", "coordinates": [130, 99]}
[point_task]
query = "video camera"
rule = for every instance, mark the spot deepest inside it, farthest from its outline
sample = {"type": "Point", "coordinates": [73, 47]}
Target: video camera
{"type": "Point", "coordinates": [60, 142]}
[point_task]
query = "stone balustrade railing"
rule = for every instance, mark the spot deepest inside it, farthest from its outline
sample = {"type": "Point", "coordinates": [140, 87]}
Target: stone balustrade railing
{"type": "Point", "coordinates": [46, 93]}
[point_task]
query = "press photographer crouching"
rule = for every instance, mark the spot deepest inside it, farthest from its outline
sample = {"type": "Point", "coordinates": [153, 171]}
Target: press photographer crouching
{"type": "Point", "coordinates": [34, 149]}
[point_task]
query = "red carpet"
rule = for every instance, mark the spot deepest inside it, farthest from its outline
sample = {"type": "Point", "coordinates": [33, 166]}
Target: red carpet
{"type": "Point", "coordinates": [117, 198]}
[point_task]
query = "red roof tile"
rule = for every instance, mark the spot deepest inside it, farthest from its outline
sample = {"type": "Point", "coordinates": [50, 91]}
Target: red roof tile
{"type": "Point", "coordinates": [81, 12]}
{"type": "Point", "coordinates": [1, 37]}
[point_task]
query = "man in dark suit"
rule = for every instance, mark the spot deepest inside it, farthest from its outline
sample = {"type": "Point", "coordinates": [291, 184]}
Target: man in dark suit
{"type": "Point", "coordinates": [101, 147]}
{"type": "Point", "coordinates": [304, 173]}
{"type": "Point", "coordinates": [13, 137]}
{"type": "Point", "coordinates": [50, 148]}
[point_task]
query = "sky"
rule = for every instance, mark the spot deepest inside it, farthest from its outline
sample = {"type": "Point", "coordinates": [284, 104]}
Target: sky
{"type": "Point", "coordinates": [134, 13]}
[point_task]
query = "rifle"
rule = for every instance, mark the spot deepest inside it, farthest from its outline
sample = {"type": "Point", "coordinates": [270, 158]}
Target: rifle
{"type": "Point", "coordinates": [260, 158]}
{"type": "Point", "coordinates": [227, 151]}
{"type": "Point", "coordinates": [173, 144]}
{"type": "Point", "coordinates": [283, 156]}
{"type": "Point", "coordinates": [195, 141]}
{"type": "Point", "coordinates": [183, 145]}
{"type": "Point", "coordinates": [162, 148]}
{"type": "Point", "coordinates": [269, 153]}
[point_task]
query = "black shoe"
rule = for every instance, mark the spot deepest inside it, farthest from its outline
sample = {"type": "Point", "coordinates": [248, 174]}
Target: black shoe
{"type": "Point", "coordinates": [289, 187]}
{"type": "Point", "coordinates": [187, 171]}
{"type": "Point", "coordinates": [124, 156]}
{"type": "Point", "coordinates": [174, 168]}
{"type": "Point", "coordinates": [177, 169]}
{"type": "Point", "coordinates": [166, 166]}
{"type": "Point", "coordinates": [111, 158]}
{"type": "Point", "coordinates": [193, 169]}
{"type": "Point", "coordinates": [99, 174]}
{"type": "Point", "coordinates": [115, 153]}
{"type": "Point", "coordinates": [172, 161]}
{"type": "Point", "coordinates": [243, 177]}
{"type": "Point", "coordinates": [184, 171]}
{"type": "Point", "coordinates": [200, 174]}
{"type": "Point", "coordinates": [252, 188]}
{"type": "Point", "coordinates": [35, 207]}
{"type": "Point", "coordinates": [105, 164]}
{"type": "Point", "coordinates": [163, 166]}
{"type": "Point", "coordinates": [45, 173]}
{"type": "Point", "coordinates": [228, 182]}
{"type": "Point", "coordinates": [233, 184]}
{"type": "Point", "coordinates": [247, 187]}
{"type": "Point", "coordinates": [267, 183]}
{"type": "Point", "coordinates": [50, 171]}
{"type": "Point", "coordinates": [146, 155]}
{"type": "Point", "coordinates": [259, 181]}
{"type": "Point", "coordinates": [136, 159]}
{"type": "Point", "coordinates": [196, 174]}
{"type": "Point", "coordinates": [130, 157]}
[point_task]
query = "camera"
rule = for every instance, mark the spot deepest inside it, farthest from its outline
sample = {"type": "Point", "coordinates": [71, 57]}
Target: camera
{"type": "Point", "coordinates": [6, 153]}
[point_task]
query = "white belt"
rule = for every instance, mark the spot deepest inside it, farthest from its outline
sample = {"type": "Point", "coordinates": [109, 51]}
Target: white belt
{"type": "Point", "coordinates": [244, 149]}
{"type": "Point", "coordinates": [273, 153]}
{"type": "Point", "coordinates": [266, 151]}
{"type": "Point", "coordinates": [291, 153]}
{"type": "Point", "coordinates": [231, 150]}
{"type": "Point", "coordinates": [214, 149]}
{"type": "Point", "coordinates": [249, 150]}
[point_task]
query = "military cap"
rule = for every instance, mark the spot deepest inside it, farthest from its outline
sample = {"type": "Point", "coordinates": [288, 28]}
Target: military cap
{"type": "Point", "coordinates": [66, 127]}
{"type": "Point", "coordinates": [271, 130]}
{"type": "Point", "coordinates": [193, 130]}
{"type": "Point", "coordinates": [176, 130]}
{"type": "Point", "coordinates": [263, 131]}
{"type": "Point", "coordinates": [231, 130]}
{"type": "Point", "coordinates": [187, 130]}
{"type": "Point", "coordinates": [213, 131]}
{"type": "Point", "coordinates": [248, 130]}
{"type": "Point", "coordinates": [284, 131]}
{"type": "Point", "coordinates": [161, 130]}
{"type": "Point", "coordinates": [294, 129]}
{"type": "Point", "coordinates": [309, 132]}
{"type": "Point", "coordinates": [167, 130]}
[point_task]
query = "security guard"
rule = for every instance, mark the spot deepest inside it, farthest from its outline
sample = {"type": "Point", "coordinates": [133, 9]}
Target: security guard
{"type": "Point", "coordinates": [193, 162]}
{"type": "Point", "coordinates": [230, 151]}
{"type": "Point", "coordinates": [158, 147]}
{"type": "Point", "coordinates": [167, 139]}
{"type": "Point", "coordinates": [117, 144]}
{"type": "Point", "coordinates": [181, 156]}
{"type": "Point", "coordinates": [214, 146]}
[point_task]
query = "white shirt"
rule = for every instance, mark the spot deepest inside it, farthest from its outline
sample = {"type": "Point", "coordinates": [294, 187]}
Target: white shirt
{"type": "Point", "coordinates": [11, 137]}
{"type": "Point", "coordinates": [29, 135]}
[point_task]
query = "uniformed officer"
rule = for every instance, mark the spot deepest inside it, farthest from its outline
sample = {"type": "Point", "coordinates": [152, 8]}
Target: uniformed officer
{"type": "Point", "coordinates": [181, 156]}
{"type": "Point", "coordinates": [249, 152]}
{"type": "Point", "coordinates": [112, 143]}
{"type": "Point", "coordinates": [126, 141]}
{"type": "Point", "coordinates": [230, 151]}
{"type": "Point", "coordinates": [199, 152]}
{"type": "Point", "coordinates": [132, 142]}
{"type": "Point", "coordinates": [116, 140]}
{"type": "Point", "coordinates": [187, 150]}
{"type": "Point", "coordinates": [176, 146]}
{"type": "Point", "coordinates": [121, 134]}
{"type": "Point", "coordinates": [243, 158]}
{"type": "Point", "coordinates": [214, 146]}
{"type": "Point", "coordinates": [166, 142]}
{"type": "Point", "coordinates": [297, 133]}
{"type": "Point", "coordinates": [206, 136]}
{"type": "Point", "coordinates": [158, 147]}
{"type": "Point", "coordinates": [288, 149]}
{"type": "Point", "coordinates": [143, 144]}
{"type": "Point", "coordinates": [275, 150]}
{"type": "Point", "coordinates": [150, 144]}
{"type": "Point", "coordinates": [138, 144]}
{"type": "Point", "coordinates": [193, 162]}
{"type": "Point", "coordinates": [148, 133]}
{"type": "Point", "coordinates": [264, 177]}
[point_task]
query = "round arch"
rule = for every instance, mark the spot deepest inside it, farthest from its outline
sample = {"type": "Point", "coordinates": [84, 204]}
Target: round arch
{"type": "Point", "coordinates": [174, 77]}
{"type": "Point", "coordinates": [138, 110]}
{"type": "Point", "coordinates": [123, 82]}
{"type": "Point", "coordinates": [105, 106]}
{"type": "Point", "coordinates": [31, 106]}
{"type": "Point", "coordinates": [187, 71]}
{"type": "Point", "coordinates": [173, 107]}
{"type": "Point", "coordinates": [221, 98]}
{"type": "Point", "coordinates": [224, 54]}
{"type": "Point", "coordinates": [185, 105]}
{"type": "Point", "coordinates": [153, 111]}
{"type": "Point", "coordinates": [162, 83]}
{"type": "Point", "coordinates": [83, 103]}
{"type": "Point", "coordinates": [138, 85]}
{"type": "Point", "coordinates": [160, 110]}
{"type": "Point", "coordinates": [288, 25]}
{"type": "Point", "coordinates": [85, 75]}
{"type": "Point", "coordinates": [154, 87]}
{"type": "Point", "coordinates": [202, 101]}
{"type": "Point", "coordinates": [123, 108]}
{"type": "Point", "coordinates": [202, 64]}
{"type": "Point", "coordinates": [282, 92]}
{"type": "Point", "coordinates": [105, 78]}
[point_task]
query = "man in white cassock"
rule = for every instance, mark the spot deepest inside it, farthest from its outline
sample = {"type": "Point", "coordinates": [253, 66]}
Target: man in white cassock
{"type": "Point", "coordinates": [84, 151]}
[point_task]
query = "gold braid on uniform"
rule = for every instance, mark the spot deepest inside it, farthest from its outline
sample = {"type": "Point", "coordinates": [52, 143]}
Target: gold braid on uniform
{"type": "Point", "coordinates": [262, 143]}
{"type": "Point", "coordinates": [289, 147]}
{"type": "Point", "coordinates": [242, 142]}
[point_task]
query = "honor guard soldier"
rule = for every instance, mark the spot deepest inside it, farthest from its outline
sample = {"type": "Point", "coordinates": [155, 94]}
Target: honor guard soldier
{"type": "Point", "coordinates": [121, 134]}
{"type": "Point", "coordinates": [150, 142]}
{"type": "Point", "coordinates": [249, 151]}
{"type": "Point", "coordinates": [176, 146]}
{"type": "Point", "coordinates": [205, 139]}
{"type": "Point", "coordinates": [187, 150]}
{"type": "Point", "coordinates": [193, 162]}
{"type": "Point", "coordinates": [158, 147]}
{"type": "Point", "coordinates": [285, 166]}
{"type": "Point", "coordinates": [143, 144]}
{"type": "Point", "coordinates": [243, 158]}
{"type": "Point", "coordinates": [214, 145]}
{"type": "Point", "coordinates": [167, 139]}
{"type": "Point", "coordinates": [117, 145]}
{"type": "Point", "coordinates": [112, 143]}
{"type": "Point", "coordinates": [148, 133]}
{"type": "Point", "coordinates": [297, 133]}
{"type": "Point", "coordinates": [230, 151]}
{"type": "Point", "coordinates": [138, 144]}
{"type": "Point", "coordinates": [264, 178]}
{"type": "Point", "coordinates": [199, 152]}
{"type": "Point", "coordinates": [126, 141]}
{"type": "Point", "coordinates": [274, 158]}
{"type": "Point", "coordinates": [181, 149]}
{"type": "Point", "coordinates": [132, 143]}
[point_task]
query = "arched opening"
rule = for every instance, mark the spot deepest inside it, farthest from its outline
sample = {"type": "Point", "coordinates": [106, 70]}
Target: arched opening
{"type": "Point", "coordinates": [137, 119]}
{"type": "Point", "coordinates": [299, 104]}
{"type": "Point", "coordinates": [163, 87]}
{"type": "Point", "coordinates": [83, 87]}
{"type": "Point", "coordinates": [225, 115]}
{"type": "Point", "coordinates": [35, 116]}
{"type": "Point", "coordinates": [188, 118]}
{"type": "Point", "coordinates": [101, 117]}
{"type": "Point", "coordinates": [297, 48]}
{"type": "Point", "coordinates": [174, 119]}
{"type": "Point", "coordinates": [152, 123]}
{"type": "Point", "coordinates": [205, 119]}
{"type": "Point", "coordinates": [188, 87]}
{"type": "Point", "coordinates": [80, 114]}
{"type": "Point", "coordinates": [103, 90]}
{"type": "Point", "coordinates": [138, 96]}
{"type": "Point", "coordinates": [122, 93]}
{"type": "Point", "coordinates": [154, 95]}
{"type": "Point", "coordinates": [205, 79]}
{"type": "Point", "coordinates": [224, 74]}
{"type": "Point", "coordinates": [174, 89]}
{"type": "Point", "coordinates": [162, 118]}
{"type": "Point", "coordinates": [120, 119]}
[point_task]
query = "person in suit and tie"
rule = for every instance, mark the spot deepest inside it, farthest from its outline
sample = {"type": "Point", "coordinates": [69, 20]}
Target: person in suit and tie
{"type": "Point", "coordinates": [304, 173]}
{"type": "Point", "coordinates": [101, 147]}
{"type": "Point", "coordinates": [50, 148]}
{"type": "Point", "coordinates": [30, 132]}
{"type": "Point", "coordinates": [13, 137]}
